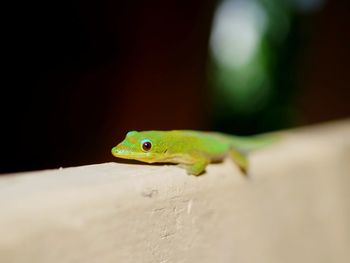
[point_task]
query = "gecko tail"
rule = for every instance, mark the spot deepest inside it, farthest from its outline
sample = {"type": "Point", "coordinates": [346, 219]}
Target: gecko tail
{"type": "Point", "coordinates": [254, 142]}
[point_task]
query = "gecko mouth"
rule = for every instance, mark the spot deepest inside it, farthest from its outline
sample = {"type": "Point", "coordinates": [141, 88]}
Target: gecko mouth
{"type": "Point", "coordinates": [126, 154]}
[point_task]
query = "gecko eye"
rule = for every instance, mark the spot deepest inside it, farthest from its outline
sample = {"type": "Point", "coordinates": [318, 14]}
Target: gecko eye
{"type": "Point", "coordinates": [146, 145]}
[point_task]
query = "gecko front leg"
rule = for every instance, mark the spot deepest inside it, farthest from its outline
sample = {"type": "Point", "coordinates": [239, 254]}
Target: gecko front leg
{"type": "Point", "coordinates": [195, 165]}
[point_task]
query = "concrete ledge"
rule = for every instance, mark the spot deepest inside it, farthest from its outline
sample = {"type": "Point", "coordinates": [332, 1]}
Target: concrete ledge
{"type": "Point", "coordinates": [294, 207]}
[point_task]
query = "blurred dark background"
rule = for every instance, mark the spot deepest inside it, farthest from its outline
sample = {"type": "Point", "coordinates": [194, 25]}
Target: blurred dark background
{"type": "Point", "coordinates": [79, 74]}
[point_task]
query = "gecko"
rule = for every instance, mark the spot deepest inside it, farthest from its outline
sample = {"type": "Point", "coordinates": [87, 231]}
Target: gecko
{"type": "Point", "coordinates": [192, 150]}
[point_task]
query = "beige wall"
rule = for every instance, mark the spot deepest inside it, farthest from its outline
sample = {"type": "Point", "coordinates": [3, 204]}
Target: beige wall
{"type": "Point", "coordinates": [294, 207]}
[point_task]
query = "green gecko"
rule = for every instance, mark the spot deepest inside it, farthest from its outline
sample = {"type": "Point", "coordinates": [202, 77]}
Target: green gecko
{"type": "Point", "coordinates": [193, 150]}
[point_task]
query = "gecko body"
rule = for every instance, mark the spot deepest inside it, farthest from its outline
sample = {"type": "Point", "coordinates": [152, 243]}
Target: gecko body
{"type": "Point", "coordinates": [193, 150]}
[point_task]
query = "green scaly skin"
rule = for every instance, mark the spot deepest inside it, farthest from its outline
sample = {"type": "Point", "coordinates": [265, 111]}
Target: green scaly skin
{"type": "Point", "coordinates": [193, 150]}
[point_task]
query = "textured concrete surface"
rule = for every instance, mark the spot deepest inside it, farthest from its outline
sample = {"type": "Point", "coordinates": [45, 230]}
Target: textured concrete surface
{"type": "Point", "coordinates": [294, 207]}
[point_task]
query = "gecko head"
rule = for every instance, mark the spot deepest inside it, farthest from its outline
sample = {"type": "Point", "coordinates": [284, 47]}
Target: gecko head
{"type": "Point", "coordinates": [143, 146]}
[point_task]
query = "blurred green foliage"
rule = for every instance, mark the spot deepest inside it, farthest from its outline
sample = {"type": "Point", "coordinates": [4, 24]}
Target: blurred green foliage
{"type": "Point", "coordinates": [253, 70]}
